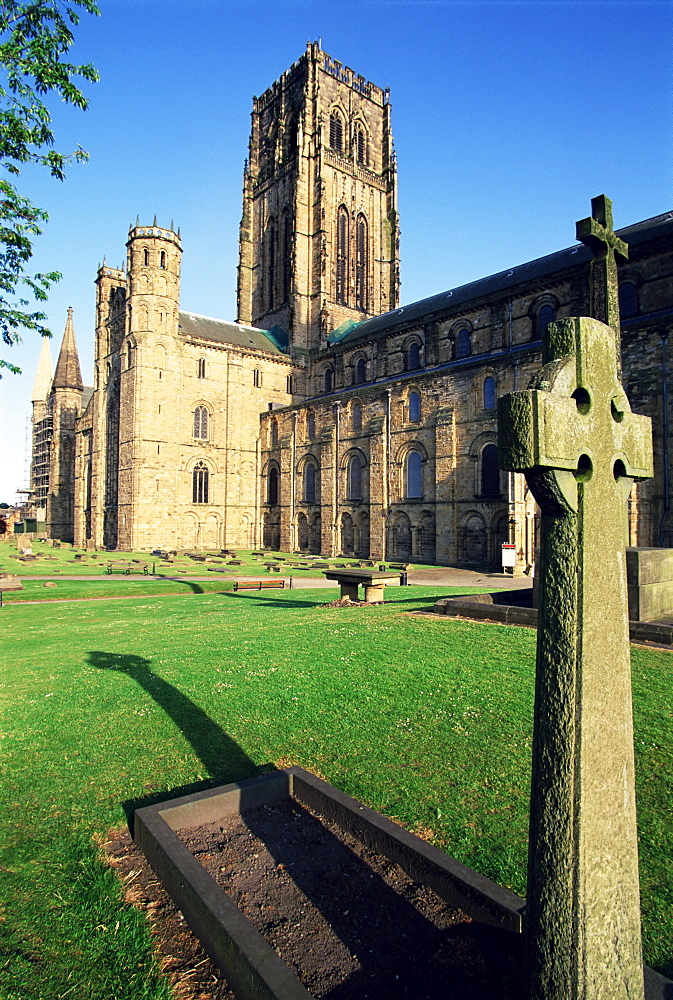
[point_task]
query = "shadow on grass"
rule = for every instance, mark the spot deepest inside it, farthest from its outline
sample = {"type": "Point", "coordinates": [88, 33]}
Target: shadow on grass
{"type": "Point", "coordinates": [273, 601]}
{"type": "Point", "coordinates": [221, 756]}
{"type": "Point", "coordinates": [194, 587]}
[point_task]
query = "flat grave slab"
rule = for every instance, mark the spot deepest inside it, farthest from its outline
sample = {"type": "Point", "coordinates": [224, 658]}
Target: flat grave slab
{"type": "Point", "coordinates": [266, 827]}
{"type": "Point", "coordinates": [252, 968]}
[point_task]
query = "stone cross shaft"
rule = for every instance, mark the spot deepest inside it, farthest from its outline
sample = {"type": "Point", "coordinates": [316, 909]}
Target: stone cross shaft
{"type": "Point", "coordinates": [573, 434]}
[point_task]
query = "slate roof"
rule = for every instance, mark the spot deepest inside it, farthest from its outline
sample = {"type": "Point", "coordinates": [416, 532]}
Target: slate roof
{"type": "Point", "coordinates": [529, 273]}
{"type": "Point", "coordinates": [194, 326]}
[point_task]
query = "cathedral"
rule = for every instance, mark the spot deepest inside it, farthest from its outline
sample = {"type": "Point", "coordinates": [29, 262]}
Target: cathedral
{"type": "Point", "coordinates": [327, 419]}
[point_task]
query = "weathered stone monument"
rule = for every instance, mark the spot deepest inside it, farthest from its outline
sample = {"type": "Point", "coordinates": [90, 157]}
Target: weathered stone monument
{"type": "Point", "coordinates": [573, 435]}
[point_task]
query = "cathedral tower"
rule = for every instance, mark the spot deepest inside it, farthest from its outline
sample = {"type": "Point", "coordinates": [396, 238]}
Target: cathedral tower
{"type": "Point", "coordinates": [319, 240]}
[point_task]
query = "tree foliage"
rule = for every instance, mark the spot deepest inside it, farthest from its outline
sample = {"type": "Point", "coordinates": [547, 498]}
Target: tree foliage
{"type": "Point", "coordinates": [34, 38]}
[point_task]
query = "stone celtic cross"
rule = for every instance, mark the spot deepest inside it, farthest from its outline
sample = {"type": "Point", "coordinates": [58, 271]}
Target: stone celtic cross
{"type": "Point", "coordinates": [573, 435]}
{"type": "Point", "coordinates": [597, 233]}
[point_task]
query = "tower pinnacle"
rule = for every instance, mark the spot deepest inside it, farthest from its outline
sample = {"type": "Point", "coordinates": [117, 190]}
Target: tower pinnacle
{"type": "Point", "coordinates": [43, 375]}
{"type": "Point", "coordinates": [68, 374]}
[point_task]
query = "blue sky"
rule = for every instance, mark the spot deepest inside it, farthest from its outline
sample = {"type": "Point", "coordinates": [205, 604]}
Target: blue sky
{"type": "Point", "coordinates": [508, 118]}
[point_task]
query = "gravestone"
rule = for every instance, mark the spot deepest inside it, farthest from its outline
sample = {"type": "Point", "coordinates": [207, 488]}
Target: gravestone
{"type": "Point", "coordinates": [573, 435]}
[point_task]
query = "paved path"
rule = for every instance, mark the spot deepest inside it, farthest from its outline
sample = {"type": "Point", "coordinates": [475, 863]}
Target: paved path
{"type": "Point", "coordinates": [445, 576]}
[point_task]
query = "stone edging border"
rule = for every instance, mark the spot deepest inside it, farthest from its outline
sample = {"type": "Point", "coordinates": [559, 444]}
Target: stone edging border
{"type": "Point", "coordinates": [252, 968]}
{"type": "Point", "coordinates": [467, 607]}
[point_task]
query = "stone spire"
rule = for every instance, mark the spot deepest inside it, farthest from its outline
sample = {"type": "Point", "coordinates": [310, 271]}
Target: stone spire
{"type": "Point", "coordinates": [43, 375]}
{"type": "Point", "coordinates": [68, 374]}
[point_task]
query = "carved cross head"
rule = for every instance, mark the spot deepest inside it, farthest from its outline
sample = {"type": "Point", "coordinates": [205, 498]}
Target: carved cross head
{"type": "Point", "coordinates": [575, 423]}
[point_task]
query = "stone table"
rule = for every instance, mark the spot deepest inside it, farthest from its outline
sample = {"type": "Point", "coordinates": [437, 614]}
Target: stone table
{"type": "Point", "coordinates": [372, 580]}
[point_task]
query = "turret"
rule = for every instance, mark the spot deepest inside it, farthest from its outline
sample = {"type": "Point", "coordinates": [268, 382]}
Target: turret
{"type": "Point", "coordinates": [153, 284]}
{"type": "Point", "coordinates": [65, 405]}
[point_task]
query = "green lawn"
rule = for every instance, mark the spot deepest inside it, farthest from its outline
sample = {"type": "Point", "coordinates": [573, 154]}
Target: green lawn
{"type": "Point", "coordinates": [110, 704]}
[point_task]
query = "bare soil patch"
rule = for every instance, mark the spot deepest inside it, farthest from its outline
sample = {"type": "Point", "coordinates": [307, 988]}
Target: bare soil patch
{"type": "Point", "coordinates": [348, 922]}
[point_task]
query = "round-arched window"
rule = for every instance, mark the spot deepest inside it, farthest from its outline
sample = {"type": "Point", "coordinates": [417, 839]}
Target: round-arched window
{"type": "Point", "coordinates": [201, 422]}
{"type": "Point", "coordinates": [309, 482]}
{"type": "Point", "coordinates": [414, 407]}
{"type": "Point", "coordinates": [413, 357]}
{"type": "Point", "coordinates": [414, 475]}
{"type": "Point", "coordinates": [490, 472]}
{"type": "Point", "coordinates": [464, 343]}
{"type": "Point", "coordinates": [355, 478]}
{"type": "Point", "coordinates": [200, 483]}
{"type": "Point", "coordinates": [628, 299]}
{"type": "Point", "coordinates": [489, 393]}
{"type": "Point", "coordinates": [545, 316]}
{"type": "Point", "coordinates": [272, 486]}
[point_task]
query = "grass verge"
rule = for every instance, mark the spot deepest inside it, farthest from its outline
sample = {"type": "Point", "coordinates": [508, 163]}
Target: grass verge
{"type": "Point", "coordinates": [110, 705]}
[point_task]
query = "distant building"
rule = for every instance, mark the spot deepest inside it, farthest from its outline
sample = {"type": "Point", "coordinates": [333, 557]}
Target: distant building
{"type": "Point", "coordinates": [327, 419]}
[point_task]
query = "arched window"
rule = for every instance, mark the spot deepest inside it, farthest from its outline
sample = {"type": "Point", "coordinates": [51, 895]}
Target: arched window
{"type": "Point", "coordinates": [361, 371]}
{"type": "Point", "coordinates": [309, 482]}
{"type": "Point", "coordinates": [361, 262]}
{"type": "Point", "coordinates": [489, 393]}
{"type": "Point", "coordinates": [414, 407]}
{"type": "Point", "coordinates": [272, 486]}
{"type": "Point", "coordinates": [545, 316]}
{"type": "Point", "coordinates": [356, 418]}
{"type": "Point", "coordinates": [490, 472]}
{"type": "Point", "coordinates": [271, 264]}
{"type": "Point", "coordinates": [146, 258]}
{"type": "Point", "coordinates": [129, 355]}
{"type": "Point", "coordinates": [273, 434]}
{"type": "Point", "coordinates": [355, 478]}
{"type": "Point", "coordinates": [256, 378]}
{"type": "Point", "coordinates": [200, 483]}
{"type": "Point", "coordinates": [310, 425]}
{"type": "Point", "coordinates": [413, 357]}
{"type": "Point", "coordinates": [202, 368]}
{"type": "Point", "coordinates": [291, 135]}
{"type": "Point", "coordinates": [342, 256]}
{"type": "Point", "coordinates": [162, 260]}
{"type": "Point", "coordinates": [286, 263]}
{"type": "Point", "coordinates": [463, 343]}
{"type": "Point", "coordinates": [360, 145]}
{"type": "Point", "coordinates": [628, 299]}
{"type": "Point", "coordinates": [336, 131]}
{"type": "Point", "coordinates": [201, 422]}
{"type": "Point", "coordinates": [329, 379]}
{"type": "Point", "coordinates": [290, 384]}
{"type": "Point", "coordinates": [414, 475]}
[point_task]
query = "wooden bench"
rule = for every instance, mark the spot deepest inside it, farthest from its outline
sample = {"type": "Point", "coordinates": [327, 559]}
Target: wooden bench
{"type": "Point", "coordinates": [127, 568]}
{"type": "Point", "coordinates": [258, 584]}
{"type": "Point", "coordinates": [9, 582]}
